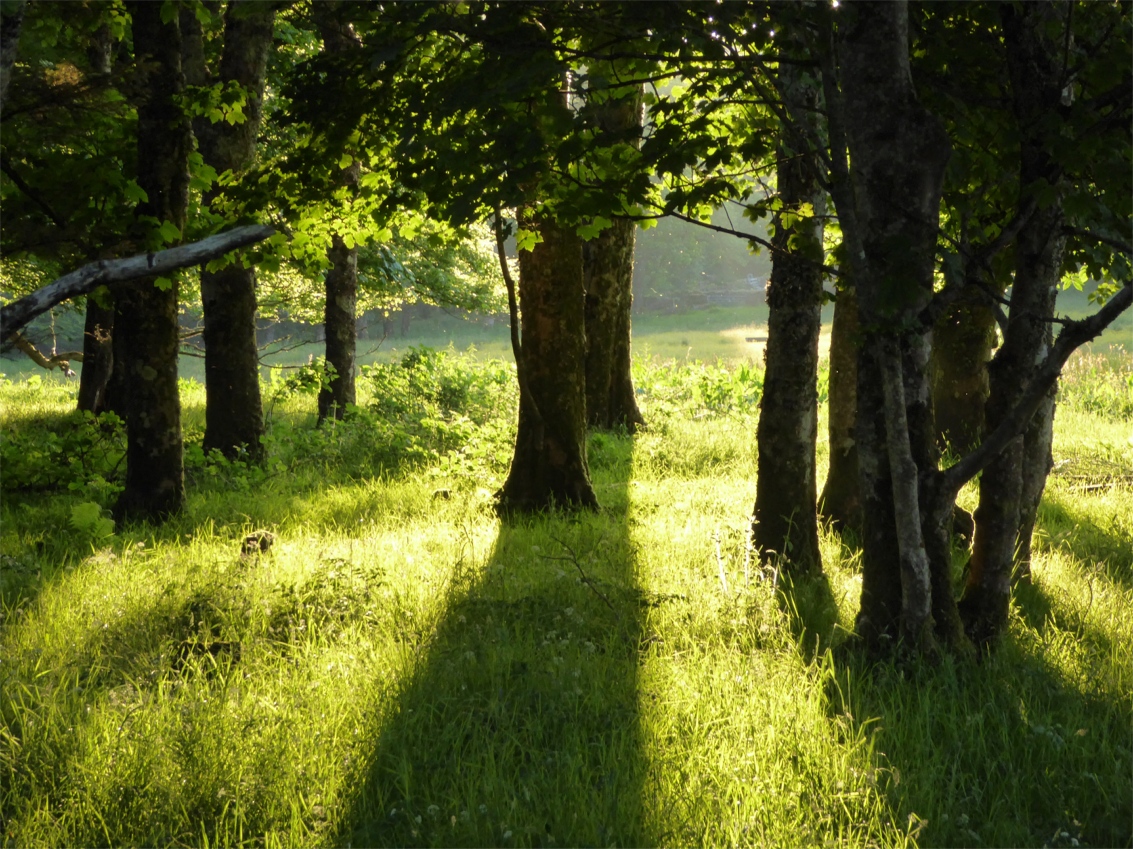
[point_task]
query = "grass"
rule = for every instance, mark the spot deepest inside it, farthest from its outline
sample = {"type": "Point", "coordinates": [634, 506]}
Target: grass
{"type": "Point", "coordinates": [401, 668]}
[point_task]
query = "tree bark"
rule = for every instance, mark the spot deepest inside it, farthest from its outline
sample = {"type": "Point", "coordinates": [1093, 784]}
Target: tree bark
{"type": "Point", "coordinates": [1012, 484]}
{"type": "Point", "coordinates": [12, 23]}
{"type": "Point", "coordinates": [840, 502]}
{"type": "Point", "coordinates": [233, 406]}
{"type": "Point", "coordinates": [341, 282]}
{"type": "Point", "coordinates": [962, 343]}
{"type": "Point", "coordinates": [608, 277]}
{"type": "Point", "coordinates": [98, 357]}
{"type": "Point", "coordinates": [785, 520]}
{"type": "Point", "coordinates": [338, 322]}
{"type": "Point", "coordinates": [898, 152]}
{"type": "Point", "coordinates": [549, 466]}
{"type": "Point", "coordinates": [146, 315]}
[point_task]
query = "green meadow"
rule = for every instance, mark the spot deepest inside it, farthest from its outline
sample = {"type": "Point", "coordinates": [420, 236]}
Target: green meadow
{"type": "Point", "coordinates": [400, 667]}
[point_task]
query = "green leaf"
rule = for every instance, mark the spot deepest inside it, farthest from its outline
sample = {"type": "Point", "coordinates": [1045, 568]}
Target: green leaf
{"type": "Point", "coordinates": [163, 283]}
{"type": "Point", "coordinates": [346, 161]}
{"type": "Point", "coordinates": [526, 240]}
{"type": "Point", "coordinates": [169, 232]}
{"type": "Point", "coordinates": [87, 518]}
{"type": "Point", "coordinates": [134, 192]}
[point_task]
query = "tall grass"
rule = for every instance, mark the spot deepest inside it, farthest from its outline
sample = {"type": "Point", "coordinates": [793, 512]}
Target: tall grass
{"type": "Point", "coordinates": [401, 668]}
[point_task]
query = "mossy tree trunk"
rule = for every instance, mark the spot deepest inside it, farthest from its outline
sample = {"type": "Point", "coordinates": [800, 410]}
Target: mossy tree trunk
{"type": "Point", "coordinates": [963, 340]}
{"type": "Point", "coordinates": [233, 406]}
{"type": "Point", "coordinates": [785, 520]}
{"type": "Point", "coordinates": [145, 321]}
{"type": "Point", "coordinates": [549, 466]}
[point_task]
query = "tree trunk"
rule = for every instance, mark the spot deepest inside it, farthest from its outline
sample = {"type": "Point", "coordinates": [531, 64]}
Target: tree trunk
{"type": "Point", "coordinates": [898, 152]}
{"type": "Point", "coordinates": [608, 277]}
{"type": "Point", "coordinates": [1012, 485]}
{"type": "Point", "coordinates": [608, 271]}
{"type": "Point", "coordinates": [785, 520]}
{"type": "Point", "coordinates": [338, 323]}
{"type": "Point", "coordinates": [145, 321]}
{"type": "Point", "coordinates": [549, 466]}
{"type": "Point", "coordinates": [233, 406]}
{"type": "Point", "coordinates": [12, 17]}
{"type": "Point", "coordinates": [338, 389]}
{"type": "Point", "coordinates": [98, 357]}
{"type": "Point", "coordinates": [840, 502]}
{"type": "Point", "coordinates": [962, 342]}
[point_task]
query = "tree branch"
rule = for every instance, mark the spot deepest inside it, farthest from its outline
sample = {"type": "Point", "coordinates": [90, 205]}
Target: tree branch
{"type": "Point", "coordinates": [59, 361]}
{"type": "Point", "coordinates": [1073, 335]}
{"type": "Point", "coordinates": [1116, 244]}
{"type": "Point", "coordinates": [15, 315]}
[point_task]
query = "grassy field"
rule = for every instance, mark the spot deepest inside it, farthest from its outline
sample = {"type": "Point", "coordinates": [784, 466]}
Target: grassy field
{"type": "Point", "coordinates": [401, 668]}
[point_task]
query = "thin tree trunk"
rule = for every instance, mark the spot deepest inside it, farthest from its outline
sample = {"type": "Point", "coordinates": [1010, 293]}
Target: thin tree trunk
{"type": "Point", "coordinates": [1012, 484]}
{"type": "Point", "coordinates": [549, 466]}
{"type": "Point", "coordinates": [98, 357]}
{"type": "Point", "coordinates": [233, 406]}
{"type": "Point", "coordinates": [840, 502]}
{"type": "Point", "coordinates": [338, 390]}
{"type": "Point", "coordinates": [145, 321]}
{"type": "Point", "coordinates": [608, 277]}
{"type": "Point", "coordinates": [785, 520]}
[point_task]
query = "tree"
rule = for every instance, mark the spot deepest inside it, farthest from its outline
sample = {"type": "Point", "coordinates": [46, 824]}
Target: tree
{"type": "Point", "coordinates": [608, 270]}
{"type": "Point", "coordinates": [338, 391]}
{"type": "Point", "coordinates": [785, 522]}
{"type": "Point", "coordinates": [146, 316]}
{"type": "Point", "coordinates": [233, 409]}
{"type": "Point", "coordinates": [840, 501]}
{"type": "Point", "coordinates": [549, 466]}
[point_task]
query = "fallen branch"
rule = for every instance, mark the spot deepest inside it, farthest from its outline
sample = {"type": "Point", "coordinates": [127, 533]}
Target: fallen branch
{"type": "Point", "coordinates": [15, 315]}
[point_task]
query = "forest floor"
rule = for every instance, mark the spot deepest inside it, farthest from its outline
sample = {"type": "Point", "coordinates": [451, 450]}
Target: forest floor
{"type": "Point", "coordinates": [402, 668]}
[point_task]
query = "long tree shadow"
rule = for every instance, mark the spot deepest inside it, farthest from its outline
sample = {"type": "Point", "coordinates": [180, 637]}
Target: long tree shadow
{"type": "Point", "coordinates": [519, 724]}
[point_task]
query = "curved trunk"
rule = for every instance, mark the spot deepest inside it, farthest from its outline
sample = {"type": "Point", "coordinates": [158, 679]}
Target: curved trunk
{"type": "Point", "coordinates": [549, 466]}
{"type": "Point", "coordinates": [233, 406]}
{"type": "Point", "coordinates": [785, 520]}
{"type": "Point", "coordinates": [145, 322]}
{"type": "Point", "coordinates": [840, 502]}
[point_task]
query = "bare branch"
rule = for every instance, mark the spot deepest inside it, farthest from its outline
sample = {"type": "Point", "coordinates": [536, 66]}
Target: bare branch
{"type": "Point", "coordinates": [15, 315]}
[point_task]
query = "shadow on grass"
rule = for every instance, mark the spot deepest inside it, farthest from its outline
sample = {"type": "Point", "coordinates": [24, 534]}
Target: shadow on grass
{"type": "Point", "coordinates": [1063, 525]}
{"type": "Point", "coordinates": [1019, 749]}
{"type": "Point", "coordinates": [519, 724]}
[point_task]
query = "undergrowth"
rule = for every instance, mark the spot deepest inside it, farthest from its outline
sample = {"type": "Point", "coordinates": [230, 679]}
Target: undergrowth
{"type": "Point", "coordinates": [401, 668]}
